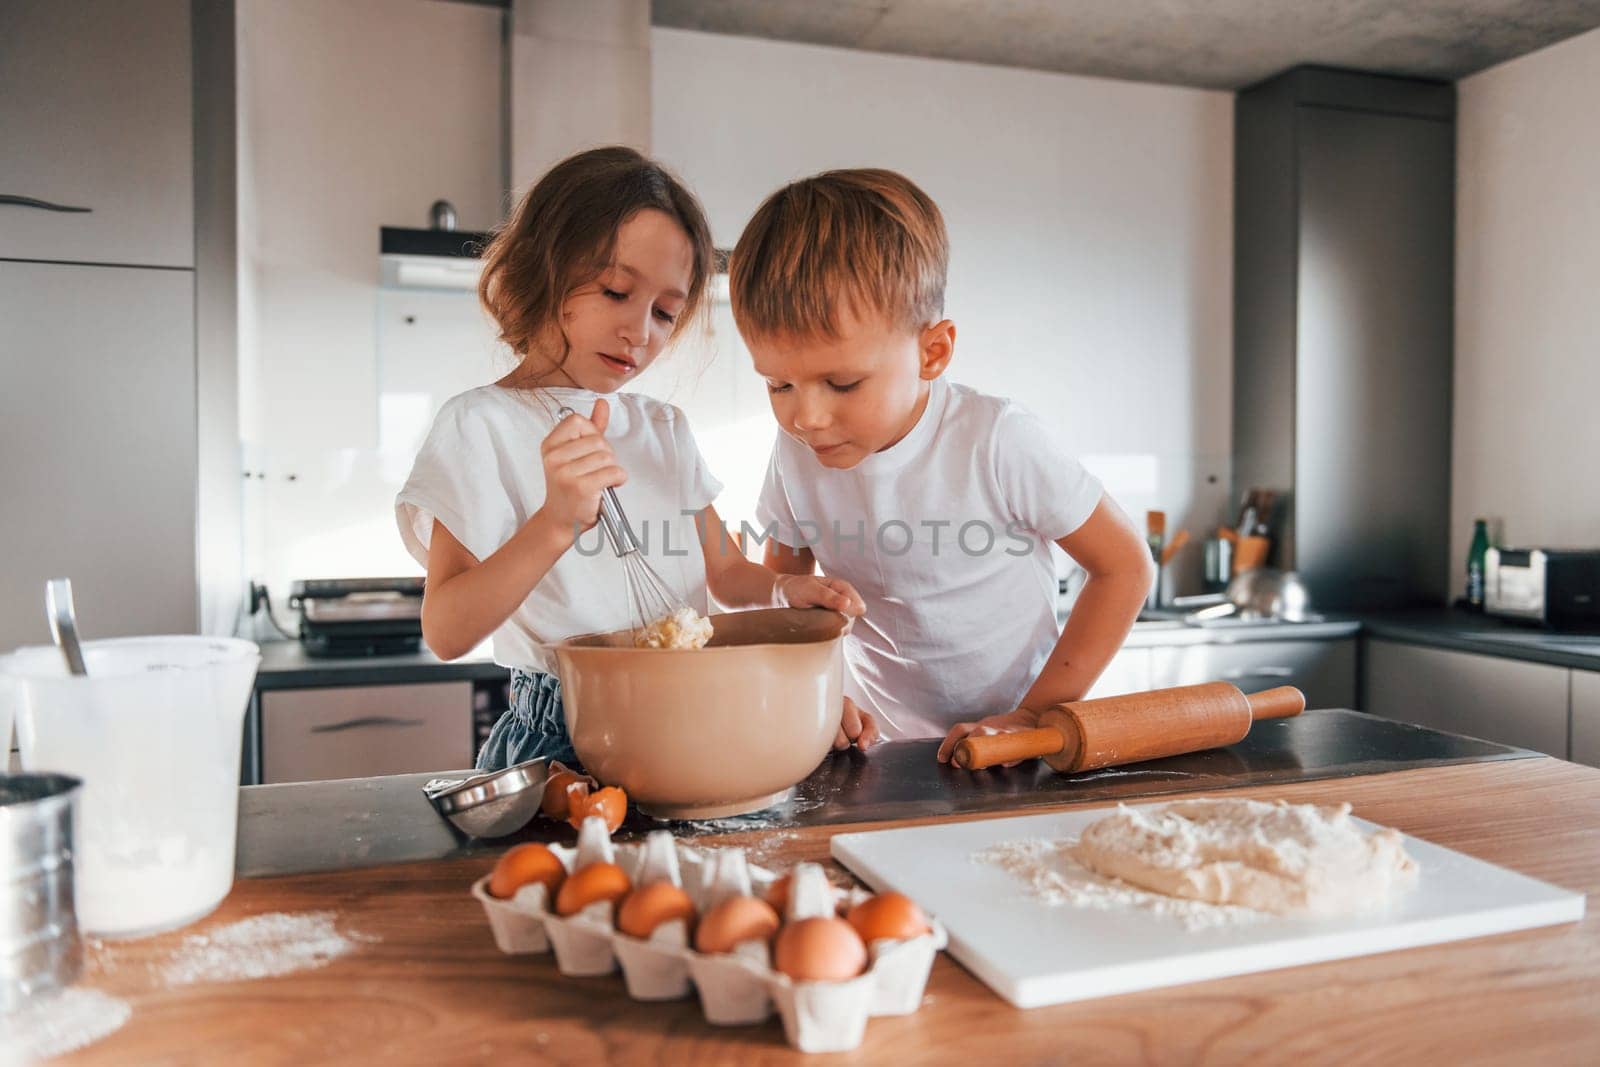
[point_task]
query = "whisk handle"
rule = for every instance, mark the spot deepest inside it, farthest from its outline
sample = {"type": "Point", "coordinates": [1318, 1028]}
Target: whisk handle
{"type": "Point", "coordinates": [615, 524]}
{"type": "Point", "coordinates": [612, 520]}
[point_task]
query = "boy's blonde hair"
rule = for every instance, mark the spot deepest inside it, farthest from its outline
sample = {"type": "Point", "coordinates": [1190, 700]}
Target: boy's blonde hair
{"type": "Point", "coordinates": [866, 237]}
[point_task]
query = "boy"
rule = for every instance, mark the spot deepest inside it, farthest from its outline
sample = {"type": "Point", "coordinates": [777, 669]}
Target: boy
{"type": "Point", "coordinates": [936, 502]}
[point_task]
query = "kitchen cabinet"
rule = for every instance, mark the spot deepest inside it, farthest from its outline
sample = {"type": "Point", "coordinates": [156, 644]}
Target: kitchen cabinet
{"type": "Point", "coordinates": [1586, 718]}
{"type": "Point", "coordinates": [97, 427]}
{"type": "Point", "coordinates": [96, 111]}
{"type": "Point", "coordinates": [1325, 671]}
{"type": "Point", "coordinates": [312, 735]}
{"type": "Point", "coordinates": [1343, 287]}
{"type": "Point", "coordinates": [1508, 701]}
{"type": "Point", "coordinates": [118, 386]}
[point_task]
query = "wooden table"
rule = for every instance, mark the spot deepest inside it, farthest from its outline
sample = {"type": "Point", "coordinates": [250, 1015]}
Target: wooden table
{"type": "Point", "coordinates": [433, 989]}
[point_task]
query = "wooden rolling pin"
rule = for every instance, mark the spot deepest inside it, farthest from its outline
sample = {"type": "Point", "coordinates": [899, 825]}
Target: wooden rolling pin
{"type": "Point", "coordinates": [1089, 734]}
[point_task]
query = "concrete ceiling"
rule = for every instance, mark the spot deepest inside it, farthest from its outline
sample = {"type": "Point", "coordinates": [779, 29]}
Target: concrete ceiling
{"type": "Point", "coordinates": [1212, 44]}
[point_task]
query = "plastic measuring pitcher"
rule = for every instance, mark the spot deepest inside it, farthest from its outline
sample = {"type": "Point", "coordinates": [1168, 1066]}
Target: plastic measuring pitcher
{"type": "Point", "coordinates": [153, 730]}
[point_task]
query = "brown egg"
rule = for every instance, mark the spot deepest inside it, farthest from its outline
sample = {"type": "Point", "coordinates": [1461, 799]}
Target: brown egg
{"type": "Point", "coordinates": [888, 916]}
{"type": "Point", "coordinates": [525, 864]}
{"type": "Point", "coordinates": [649, 906]}
{"type": "Point", "coordinates": [733, 922]}
{"type": "Point", "coordinates": [778, 894]}
{"type": "Point", "coordinates": [819, 950]}
{"type": "Point", "coordinates": [554, 803]}
{"type": "Point", "coordinates": [598, 881]}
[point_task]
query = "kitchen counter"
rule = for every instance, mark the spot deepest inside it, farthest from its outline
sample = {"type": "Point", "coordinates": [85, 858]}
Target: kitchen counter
{"type": "Point", "coordinates": [324, 826]}
{"type": "Point", "coordinates": [425, 983]}
{"type": "Point", "coordinates": [1165, 633]}
{"type": "Point", "coordinates": [1467, 631]}
{"type": "Point", "coordinates": [285, 665]}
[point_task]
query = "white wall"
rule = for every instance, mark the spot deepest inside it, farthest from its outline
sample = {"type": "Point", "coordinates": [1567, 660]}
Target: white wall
{"type": "Point", "coordinates": [1091, 226]}
{"type": "Point", "coordinates": [579, 76]}
{"type": "Point", "coordinates": [352, 116]}
{"type": "Point", "coordinates": [1527, 374]}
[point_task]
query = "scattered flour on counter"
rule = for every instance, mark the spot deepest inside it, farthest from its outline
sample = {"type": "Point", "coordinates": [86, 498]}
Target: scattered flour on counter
{"type": "Point", "coordinates": [58, 1023]}
{"type": "Point", "coordinates": [259, 947]}
{"type": "Point", "coordinates": [1053, 876]}
{"type": "Point", "coordinates": [776, 817]}
{"type": "Point", "coordinates": [760, 853]}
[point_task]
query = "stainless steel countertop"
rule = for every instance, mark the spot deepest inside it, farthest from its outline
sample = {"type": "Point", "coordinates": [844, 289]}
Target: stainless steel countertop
{"type": "Point", "coordinates": [323, 826]}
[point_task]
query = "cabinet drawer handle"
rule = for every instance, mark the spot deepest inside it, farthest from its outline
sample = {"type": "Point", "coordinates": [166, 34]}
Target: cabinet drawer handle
{"type": "Point", "coordinates": [42, 205]}
{"type": "Point", "coordinates": [1259, 672]}
{"type": "Point", "coordinates": [365, 720]}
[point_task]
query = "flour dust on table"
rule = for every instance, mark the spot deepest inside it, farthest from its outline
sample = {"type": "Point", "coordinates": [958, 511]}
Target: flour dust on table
{"type": "Point", "coordinates": [262, 946]}
{"type": "Point", "coordinates": [58, 1023]}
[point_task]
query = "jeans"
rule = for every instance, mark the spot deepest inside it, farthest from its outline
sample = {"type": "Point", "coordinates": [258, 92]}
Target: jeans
{"type": "Point", "coordinates": [534, 726]}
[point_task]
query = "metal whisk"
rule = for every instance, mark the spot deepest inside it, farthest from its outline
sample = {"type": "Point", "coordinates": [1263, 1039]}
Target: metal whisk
{"type": "Point", "coordinates": [649, 596]}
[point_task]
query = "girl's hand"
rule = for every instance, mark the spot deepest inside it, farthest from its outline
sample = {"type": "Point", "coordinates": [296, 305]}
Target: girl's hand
{"type": "Point", "coordinates": [578, 466]}
{"type": "Point", "coordinates": [812, 591]}
{"type": "Point", "coordinates": [855, 728]}
{"type": "Point", "coordinates": [1010, 722]}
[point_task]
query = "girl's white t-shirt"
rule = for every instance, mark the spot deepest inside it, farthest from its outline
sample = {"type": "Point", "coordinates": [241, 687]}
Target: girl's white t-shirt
{"type": "Point", "coordinates": [479, 472]}
{"type": "Point", "coordinates": [946, 534]}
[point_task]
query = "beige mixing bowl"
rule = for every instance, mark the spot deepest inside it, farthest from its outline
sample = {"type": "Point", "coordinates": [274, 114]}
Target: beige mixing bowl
{"type": "Point", "coordinates": [704, 733]}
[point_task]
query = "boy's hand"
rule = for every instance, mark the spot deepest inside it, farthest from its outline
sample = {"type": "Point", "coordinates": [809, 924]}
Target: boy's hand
{"type": "Point", "coordinates": [578, 466]}
{"type": "Point", "coordinates": [855, 728]}
{"type": "Point", "coordinates": [1010, 722]}
{"type": "Point", "coordinates": [812, 591]}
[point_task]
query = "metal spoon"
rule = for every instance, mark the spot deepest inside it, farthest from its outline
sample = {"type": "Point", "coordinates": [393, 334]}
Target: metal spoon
{"type": "Point", "coordinates": [64, 622]}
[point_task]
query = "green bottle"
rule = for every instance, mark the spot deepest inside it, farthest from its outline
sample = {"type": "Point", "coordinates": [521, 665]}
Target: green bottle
{"type": "Point", "coordinates": [1476, 560]}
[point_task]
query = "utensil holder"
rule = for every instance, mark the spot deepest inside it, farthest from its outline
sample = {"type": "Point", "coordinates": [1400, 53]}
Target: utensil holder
{"type": "Point", "coordinates": [1218, 564]}
{"type": "Point", "coordinates": [1251, 553]}
{"type": "Point", "coordinates": [1153, 599]}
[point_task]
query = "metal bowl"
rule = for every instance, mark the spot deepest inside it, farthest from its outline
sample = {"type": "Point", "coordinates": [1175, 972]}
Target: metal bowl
{"type": "Point", "coordinates": [494, 803]}
{"type": "Point", "coordinates": [1262, 593]}
{"type": "Point", "coordinates": [1268, 593]}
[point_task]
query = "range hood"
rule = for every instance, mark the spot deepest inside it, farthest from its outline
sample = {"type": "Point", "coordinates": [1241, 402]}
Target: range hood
{"type": "Point", "coordinates": [430, 259]}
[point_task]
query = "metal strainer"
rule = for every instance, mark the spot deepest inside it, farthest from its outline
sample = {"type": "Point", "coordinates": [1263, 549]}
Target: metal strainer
{"type": "Point", "coordinates": [494, 803]}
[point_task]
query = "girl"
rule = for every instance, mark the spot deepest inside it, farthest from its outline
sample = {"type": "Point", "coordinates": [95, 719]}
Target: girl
{"type": "Point", "coordinates": [603, 263]}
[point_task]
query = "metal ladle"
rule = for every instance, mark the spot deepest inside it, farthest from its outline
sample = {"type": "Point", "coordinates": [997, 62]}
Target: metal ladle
{"type": "Point", "coordinates": [64, 623]}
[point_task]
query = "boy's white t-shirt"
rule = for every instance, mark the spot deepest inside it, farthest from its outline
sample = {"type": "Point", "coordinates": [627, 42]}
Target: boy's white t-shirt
{"type": "Point", "coordinates": [956, 627]}
{"type": "Point", "coordinates": [480, 473]}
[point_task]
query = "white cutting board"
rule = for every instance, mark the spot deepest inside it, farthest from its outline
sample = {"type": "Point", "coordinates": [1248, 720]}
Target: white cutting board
{"type": "Point", "coordinates": [1033, 953]}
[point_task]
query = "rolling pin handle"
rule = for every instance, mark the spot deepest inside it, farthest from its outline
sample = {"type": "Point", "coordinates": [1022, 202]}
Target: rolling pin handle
{"type": "Point", "coordinates": [976, 752]}
{"type": "Point", "coordinates": [1284, 702]}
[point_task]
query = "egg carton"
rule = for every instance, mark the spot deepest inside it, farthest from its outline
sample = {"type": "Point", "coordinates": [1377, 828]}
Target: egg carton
{"type": "Point", "coordinates": [739, 988]}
